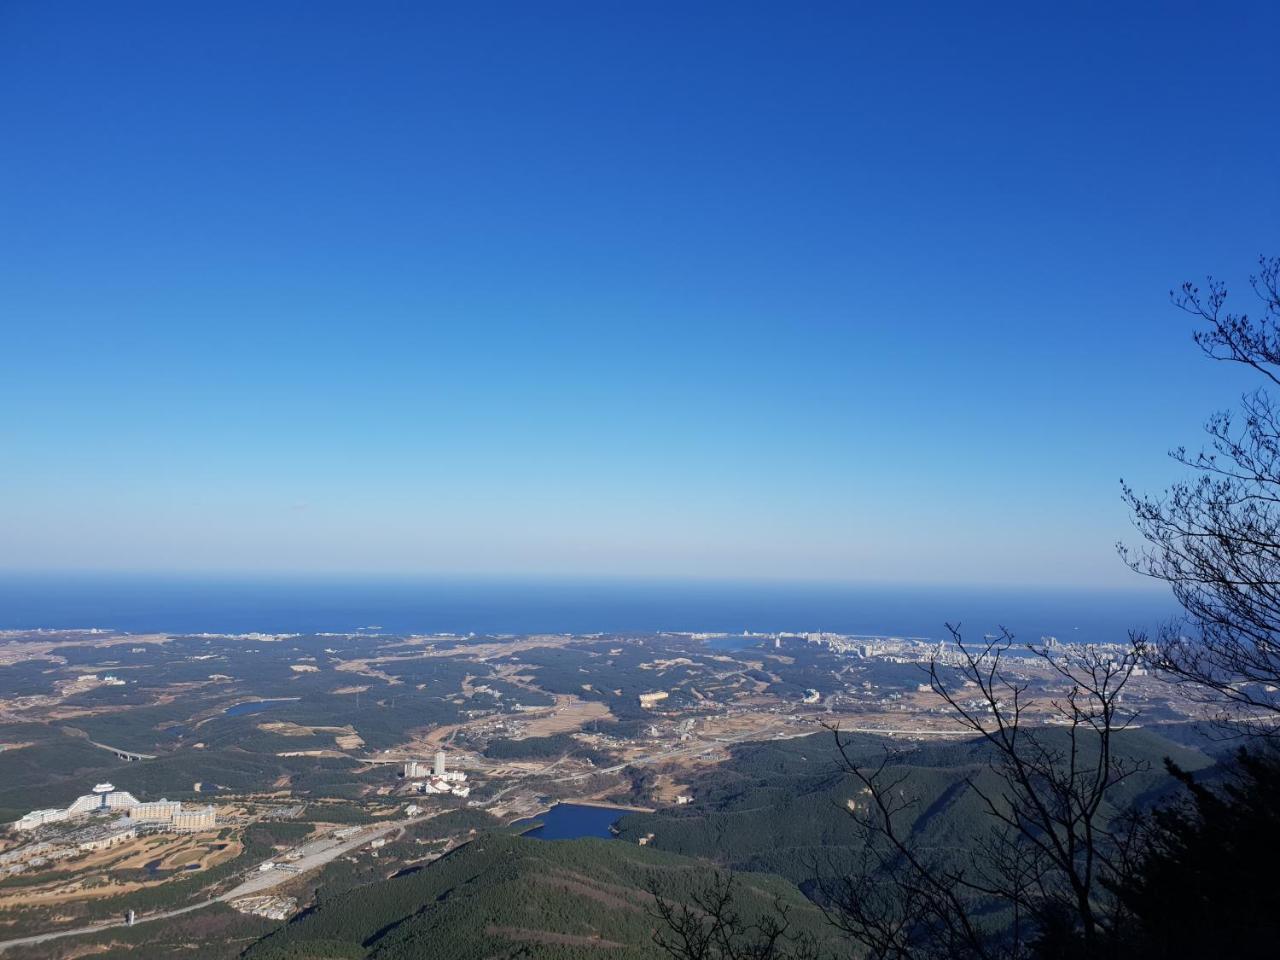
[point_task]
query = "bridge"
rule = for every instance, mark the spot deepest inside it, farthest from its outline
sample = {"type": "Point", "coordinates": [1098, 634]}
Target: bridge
{"type": "Point", "coordinates": [123, 754]}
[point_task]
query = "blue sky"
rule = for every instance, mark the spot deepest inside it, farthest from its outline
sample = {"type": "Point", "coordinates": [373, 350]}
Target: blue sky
{"type": "Point", "coordinates": [835, 291]}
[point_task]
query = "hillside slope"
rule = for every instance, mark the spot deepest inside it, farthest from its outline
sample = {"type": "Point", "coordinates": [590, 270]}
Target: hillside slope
{"type": "Point", "coordinates": [503, 896]}
{"type": "Point", "coordinates": [780, 807]}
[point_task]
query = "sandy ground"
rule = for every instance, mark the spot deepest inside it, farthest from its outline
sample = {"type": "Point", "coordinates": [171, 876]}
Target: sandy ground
{"type": "Point", "coordinates": [569, 714]}
{"type": "Point", "coordinates": [90, 877]}
{"type": "Point", "coordinates": [344, 738]}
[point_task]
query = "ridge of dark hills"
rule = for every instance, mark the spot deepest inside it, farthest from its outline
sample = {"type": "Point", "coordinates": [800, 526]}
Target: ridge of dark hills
{"type": "Point", "coordinates": [502, 895]}
{"type": "Point", "coordinates": [771, 812]}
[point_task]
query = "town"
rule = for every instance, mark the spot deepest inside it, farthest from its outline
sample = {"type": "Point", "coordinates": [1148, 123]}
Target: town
{"type": "Point", "coordinates": [249, 763]}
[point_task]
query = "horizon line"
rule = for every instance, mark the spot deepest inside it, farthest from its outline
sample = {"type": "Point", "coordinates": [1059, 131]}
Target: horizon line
{"type": "Point", "coordinates": [1137, 585]}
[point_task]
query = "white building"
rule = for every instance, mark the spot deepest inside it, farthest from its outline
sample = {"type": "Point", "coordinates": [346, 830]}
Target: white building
{"type": "Point", "coordinates": [414, 768]}
{"type": "Point", "coordinates": [37, 818]}
{"type": "Point", "coordinates": [158, 811]}
{"type": "Point", "coordinates": [88, 803]}
{"type": "Point", "coordinates": [110, 840]}
{"type": "Point", "coordinates": [442, 785]}
{"type": "Point", "coordinates": [197, 818]}
{"type": "Point", "coordinates": [105, 797]}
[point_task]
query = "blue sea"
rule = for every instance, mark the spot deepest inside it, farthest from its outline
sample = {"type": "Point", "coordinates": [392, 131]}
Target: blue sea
{"type": "Point", "coordinates": [499, 606]}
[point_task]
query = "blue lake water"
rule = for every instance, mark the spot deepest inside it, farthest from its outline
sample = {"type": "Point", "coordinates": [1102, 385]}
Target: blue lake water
{"type": "Point", "coordinates": [402, 605]}
{"type": "Point", "coordinates": [570, 821]}
{"type": "Point", "coordinates": [253, 706]}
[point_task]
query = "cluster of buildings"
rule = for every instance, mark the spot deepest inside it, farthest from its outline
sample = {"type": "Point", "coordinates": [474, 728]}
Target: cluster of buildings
{"type": "Point", "coordinates": [95, 835]}
{"type": "Point", "coordinates": [172, 814]}
{"type": "Point", "coordinates": [105, 798]}
{"type": "Point", "coordinates": [438, 778]}
{"type": "Point", "coordinates": [119, 833]}
{"type": "Point", "coordinates": [922, 650]}
{"type": "Point", "coordinates": [110, 680]}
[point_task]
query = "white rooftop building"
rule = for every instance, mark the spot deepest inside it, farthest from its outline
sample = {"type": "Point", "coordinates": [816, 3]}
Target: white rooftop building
{"type": "Point", "coordinates": [37, 818]}
{"type": "Point", "coordinates": [162, 811]}
{"type": "Point", "coordinates": [105, 797]}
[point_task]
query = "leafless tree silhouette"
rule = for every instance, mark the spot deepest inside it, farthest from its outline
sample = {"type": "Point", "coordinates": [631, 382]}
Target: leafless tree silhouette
{"type": "Point", "coordinates": [1041, 880]}
{"type": "Point", "coordinates": [1044, 865]}
{"type": "Point", "coordinates": [1052, 843]}
{"type": "Point", "coordinates": [1215, 537]}
{"type": "Point", "coordinates": [710, 926]}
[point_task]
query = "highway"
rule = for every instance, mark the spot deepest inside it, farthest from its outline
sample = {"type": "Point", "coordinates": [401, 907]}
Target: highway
{"type": "Point", "coordinates": [316, 853]}
{"type": "Point", "coordinates": [122, 753]}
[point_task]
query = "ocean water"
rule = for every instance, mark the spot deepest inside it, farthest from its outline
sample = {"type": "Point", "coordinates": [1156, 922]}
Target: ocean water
{"type": "Point", "coordinates": [493, 606]}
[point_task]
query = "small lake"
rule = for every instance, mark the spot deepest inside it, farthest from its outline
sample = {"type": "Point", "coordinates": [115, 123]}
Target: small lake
{"type": "Point", "coordinates": [569, 821]}
{"type": "Point", "coordinates": [255, 706]}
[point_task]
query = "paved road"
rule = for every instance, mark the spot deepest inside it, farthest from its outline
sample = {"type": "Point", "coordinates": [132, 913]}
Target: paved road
{"type": "Point", "coordinates": [316, 853]}
{"type": "Point", "coordinates": [122, 753]}
{"type": "Point", "coordinates": [313, 854]}
{"type": "Point", "coordinates": [98, 928]}
{"type": "Point", "coordinates": [884, 732]}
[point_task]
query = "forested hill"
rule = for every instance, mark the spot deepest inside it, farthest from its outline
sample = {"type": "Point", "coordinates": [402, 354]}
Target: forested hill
{"type": "Point", "coordinates": [780, 806]}
{"type": "Point", "coordinates": [775, 808]}
{"type": "Point", "coordinates": [503, 896]}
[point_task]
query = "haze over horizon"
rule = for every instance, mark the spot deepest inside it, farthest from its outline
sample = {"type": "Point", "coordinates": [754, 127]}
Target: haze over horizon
{"type": "Point", "coordinates": [839, 294]}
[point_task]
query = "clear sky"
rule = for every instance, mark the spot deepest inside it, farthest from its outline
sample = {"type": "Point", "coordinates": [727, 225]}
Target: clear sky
{"type": "Point", "coordinates": [840, 291]}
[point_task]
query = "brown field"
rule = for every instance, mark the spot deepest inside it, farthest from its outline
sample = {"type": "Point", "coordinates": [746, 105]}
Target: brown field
{"type": "Point", "coordinates": [666, 787]}
{"type": "Point", "coordinates": [480, 651]}
{"type": "Point", "coordinates": [16, 646]}
{"type": "Point", "coordinates": [90, 876]}
{"type": "Point", "coordinates": [345, 738]}
{"type": "Point", "coordinates": [569, 714]}
{"type": "Point", "coordinates": [365, 668]}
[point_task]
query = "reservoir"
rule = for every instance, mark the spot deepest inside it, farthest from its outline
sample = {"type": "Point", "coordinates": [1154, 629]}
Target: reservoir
{"type": "Point", "coordinates": [255, 706]}
{"type": "Point", "coordinates": [569, 821]}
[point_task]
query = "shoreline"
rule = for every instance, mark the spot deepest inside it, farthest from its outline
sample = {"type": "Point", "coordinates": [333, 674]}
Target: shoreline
{"type": "Point", "coordinates": [599, 804]}
{"type": "Point", "coordinates": [608, 805]}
